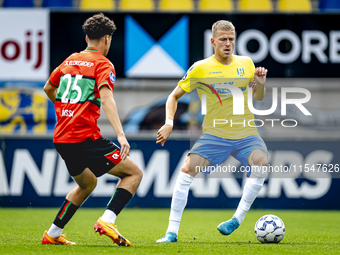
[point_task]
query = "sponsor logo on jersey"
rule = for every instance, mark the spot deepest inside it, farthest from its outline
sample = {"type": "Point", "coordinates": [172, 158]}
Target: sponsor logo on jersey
{"type": "Point", "coordinates": [79, 63]}
{"type": "Point", "coordinates": [112, 77]}
{"type": "Point", "coordinates": [224, 91]}
{"type": "Point", "coordinates": [115, 156]}
{"type": "Point", "coordinates": [215, 72]}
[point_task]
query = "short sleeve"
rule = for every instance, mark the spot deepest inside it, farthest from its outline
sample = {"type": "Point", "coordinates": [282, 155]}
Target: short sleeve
{"type": "Point", "coordinates": [106, 75]}
{"type": "Point", "coordinates": [185, 83]}
{"type": "Point", "coordinates": [55, 77]}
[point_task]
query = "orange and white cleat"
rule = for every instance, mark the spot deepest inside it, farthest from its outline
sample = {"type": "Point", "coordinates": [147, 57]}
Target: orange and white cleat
{"type": "Point", "coordinates": [55, 240]}
{"type": "Point", "coordinates": [110, 230]}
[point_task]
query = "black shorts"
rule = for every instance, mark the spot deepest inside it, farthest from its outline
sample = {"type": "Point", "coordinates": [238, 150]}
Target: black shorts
{"type": "Point", "coordinates": [100, 156]}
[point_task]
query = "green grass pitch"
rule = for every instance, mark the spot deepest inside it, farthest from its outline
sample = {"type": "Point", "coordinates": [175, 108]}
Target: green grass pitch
{"type": "Point", "coordinates": [307, 232]}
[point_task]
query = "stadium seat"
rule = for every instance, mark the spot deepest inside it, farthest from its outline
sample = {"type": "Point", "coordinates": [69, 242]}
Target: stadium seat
{"type": "Point", "coordinates": [294, 6]}
{"type": "Point", "coordinates": [136, 5]}
{"type": "Point", "coordinates": [176, 5]}
{"type": "Point", "coordinates": [57, 3]}
{"type": "Point", "coordinates": [18, 3]}
{"type": "Point", "coordinates": [329, 5]}
{"type": "Point", "coordinates": [215, 5]}
{"type": "Point", "coordinates": [97, 5]}
{"type": "Point", "coordinates": [255, 6]}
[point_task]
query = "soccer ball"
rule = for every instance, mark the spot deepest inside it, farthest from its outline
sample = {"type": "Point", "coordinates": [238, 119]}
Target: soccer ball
{"type": "Point", "coordinates": [269, 229]}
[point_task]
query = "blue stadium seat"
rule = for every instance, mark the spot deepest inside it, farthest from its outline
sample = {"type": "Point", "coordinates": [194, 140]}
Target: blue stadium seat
{"type": "Point", "coordinates": [329, 5]}
{"type": "Point", "coordinates": [57, 3]}
{"type": "Point", "coordinates": [18, 3]}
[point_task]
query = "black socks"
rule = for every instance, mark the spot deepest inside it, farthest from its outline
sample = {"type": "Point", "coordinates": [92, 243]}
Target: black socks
{"type": "Point", "coordinates": [65, 213]}
{"type": "Point", "coordinates": [119, 199]}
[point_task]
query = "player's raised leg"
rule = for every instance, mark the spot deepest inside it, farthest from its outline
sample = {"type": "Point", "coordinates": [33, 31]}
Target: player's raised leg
{"type": "Point", "coordinates": [130, 177]}
{"type": "Point", "coordinates": [86, 181]}
{"type": "Point", "coordinates": [257, 160]}
{"type": "Point", "coordinates": [180, 195]}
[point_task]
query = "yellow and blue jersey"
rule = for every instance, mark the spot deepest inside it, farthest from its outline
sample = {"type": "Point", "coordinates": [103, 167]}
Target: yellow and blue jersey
{"type": "Point", "coordinates": [208, 77]}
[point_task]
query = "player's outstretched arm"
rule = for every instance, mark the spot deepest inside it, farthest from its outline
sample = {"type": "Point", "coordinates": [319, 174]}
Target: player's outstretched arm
{"type": "Point", "coordinates": [110, 109]}
{"type": "Point", "coordinates": [170, 108]}
{"type": "Point", "coordinates": [260, 76]}
{"type": "Point", "coordinates": [50, 91]}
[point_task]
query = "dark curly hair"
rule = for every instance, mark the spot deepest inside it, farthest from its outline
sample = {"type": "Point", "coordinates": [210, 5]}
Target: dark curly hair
{"type": "Point", "coordinates": [98, 26]}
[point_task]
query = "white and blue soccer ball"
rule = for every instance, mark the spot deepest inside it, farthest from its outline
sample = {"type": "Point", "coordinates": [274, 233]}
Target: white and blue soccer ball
{"type": "Point", "coordinates": [269, 229]}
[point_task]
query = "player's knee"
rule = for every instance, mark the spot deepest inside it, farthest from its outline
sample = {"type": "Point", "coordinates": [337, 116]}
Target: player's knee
{"type": "Point", "coordinates": [92, 184]}
{"type": "Point", "coordinates": [185, 169]}
{"type": "Point", "coordinates": [88, 186]}
{"type": "Point", "coordinates": [259, 167]}
{"type": "Point", "coordinates": [138, 174]}
{"type": "Point", "coordinates": [87, 181]}
{"type": "Point", "coordinates": [260, 160]}
{"type": "Point", "coordinates": [134, 172]}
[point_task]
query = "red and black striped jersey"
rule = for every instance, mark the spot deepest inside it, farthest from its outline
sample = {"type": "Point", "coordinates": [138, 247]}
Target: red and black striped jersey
{"type": "Point", "coordinates": [77, 103]}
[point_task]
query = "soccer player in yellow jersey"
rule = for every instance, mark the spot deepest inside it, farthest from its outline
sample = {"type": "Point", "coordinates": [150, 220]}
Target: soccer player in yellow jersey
{"type": "Point", "coordinates": [224, 133]}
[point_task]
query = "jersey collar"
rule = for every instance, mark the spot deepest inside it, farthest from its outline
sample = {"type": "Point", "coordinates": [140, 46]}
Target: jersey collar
{"type": "Point", "coordinates": [91, 49]}
{"type": "Point", "coordinates": [231, 63]}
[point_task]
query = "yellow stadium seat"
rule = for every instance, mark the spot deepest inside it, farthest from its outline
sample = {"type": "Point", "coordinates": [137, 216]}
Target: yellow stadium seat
{"type": "Point", "coordinates": [136, 5]}
{"type": "Point", "coordinates": [215, 5]}
{"type": "Point", "coordinates": [294, 6]}
{"type": "Point", "coordinates": [255, 6]}
{"type": "Point", "coordinates": [97, 5]}
{"type": "Point", "coordinates": [176, 5]}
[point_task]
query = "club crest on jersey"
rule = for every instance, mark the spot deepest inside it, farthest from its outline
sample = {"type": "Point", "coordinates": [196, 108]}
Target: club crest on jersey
{"type": "Point", "coordinates": [114, 156]}
{"type": "Point", "coordinates": [240, 71]}
{"type": "Point", "coordinates": [112, 77]}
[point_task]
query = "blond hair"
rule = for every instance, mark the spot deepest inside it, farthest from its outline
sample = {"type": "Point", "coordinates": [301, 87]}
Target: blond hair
{"type": "Point", "coordinates": [222, 25]}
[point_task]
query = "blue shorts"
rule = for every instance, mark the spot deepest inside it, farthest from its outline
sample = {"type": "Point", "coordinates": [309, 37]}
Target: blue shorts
{"type": "Point", "coordinates": [217, 149]}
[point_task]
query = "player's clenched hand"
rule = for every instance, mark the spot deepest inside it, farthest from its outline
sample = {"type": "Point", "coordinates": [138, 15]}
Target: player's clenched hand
{"type": "Point", "coordinates": [260, 75]}
{"type": "Point", "coordinates": [124, 147]}
{"type": "Point", "coordinates": [163, 134]}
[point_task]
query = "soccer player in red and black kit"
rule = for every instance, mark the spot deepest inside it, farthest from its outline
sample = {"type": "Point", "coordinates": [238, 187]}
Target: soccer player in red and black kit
{"type": "Point", "coordinates": [78, 87]}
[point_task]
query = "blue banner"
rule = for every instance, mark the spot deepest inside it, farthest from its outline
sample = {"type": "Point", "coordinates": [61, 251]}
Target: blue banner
{"type": "Point", "coordinates": [33, 174]}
